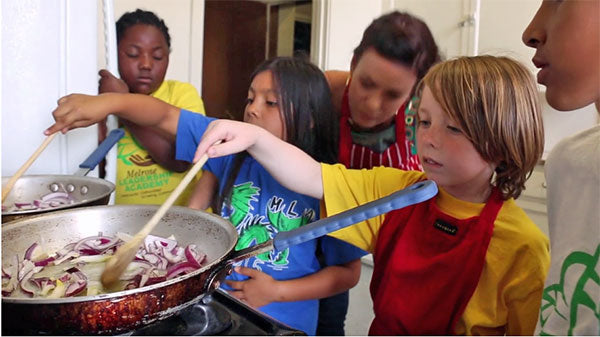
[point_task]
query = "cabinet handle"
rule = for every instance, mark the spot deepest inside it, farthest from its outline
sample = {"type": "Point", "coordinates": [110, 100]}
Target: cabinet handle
{"type": "Point", "coordinates": [544, 184]}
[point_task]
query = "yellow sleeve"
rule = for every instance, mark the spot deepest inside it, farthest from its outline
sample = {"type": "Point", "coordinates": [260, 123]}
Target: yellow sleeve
{"type": "Point", "coordinates": [180, 94]}
{"type": "Point", "coordinates": [344, 189]}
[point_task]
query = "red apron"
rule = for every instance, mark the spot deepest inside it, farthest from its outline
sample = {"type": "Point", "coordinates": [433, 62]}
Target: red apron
{"type": "Point", "coordinates": [356, 156]}
{"type": "Point", "coordinates": [427, 266]}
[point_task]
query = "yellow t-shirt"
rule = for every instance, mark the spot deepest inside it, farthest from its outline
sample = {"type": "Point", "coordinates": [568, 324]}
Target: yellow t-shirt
{"type": "Point", "coordinates": [139, 179]}
{"type": "Point", "coordinates": [508, 295]}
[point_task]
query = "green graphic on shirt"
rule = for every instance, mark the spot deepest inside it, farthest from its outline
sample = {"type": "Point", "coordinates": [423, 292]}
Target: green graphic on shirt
{"type": "Point", "coordinates": [121, 149]}
{"type": "Point", "coordinates": [241, 197]}
{"type": "Point", "coordinates": [254, 233]}
{"type": "Point", "coordinates": [555, 301]}
{"type": "Point", "coordinates": [256, 229]}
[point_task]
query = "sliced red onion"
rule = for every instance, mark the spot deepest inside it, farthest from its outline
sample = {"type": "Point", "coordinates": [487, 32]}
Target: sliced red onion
{"type": "Point", "coordinates": [153, 243]}
{"type": "Point", "coordinates": [193, 256]}
{"type": "Point", "coordinates": [24, 268]}
{"type": "Point", "coordinates": [159, 259]}
{"type": "Point", "coordinates": [27, 287]}
{"type": "Point", "coordinates": [153, 259]}
{"type": "Point", "coordinates": [69, 255]}
{"type": "Point", "coordinates": [176, 257]}
{"type": "Point", "coordinates": [44, 262]}
{"type": "Point", "coordinates": [41, 282]}
{"type": "Point", "coordinates": [76, 287]}
{"type": "Point", "coordinates": [180, 268]}
{"type": "Point", "coordinates": [34, 252]}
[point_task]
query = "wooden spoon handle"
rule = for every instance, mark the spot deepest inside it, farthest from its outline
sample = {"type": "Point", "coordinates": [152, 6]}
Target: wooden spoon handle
{"type": "Point", "coordinates": [11, 182]}
{"type": "Point", "coordinates": [126, 253]}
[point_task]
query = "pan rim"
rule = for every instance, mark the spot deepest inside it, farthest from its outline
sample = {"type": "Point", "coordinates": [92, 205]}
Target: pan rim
{"type": "Point", "coordinates": [231, 230]}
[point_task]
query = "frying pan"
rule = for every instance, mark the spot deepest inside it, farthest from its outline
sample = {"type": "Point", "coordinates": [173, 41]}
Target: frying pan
{"type": "Point", "coordinates": [123, 311]}
{"type": "Point", "coordinates": [85, 191]}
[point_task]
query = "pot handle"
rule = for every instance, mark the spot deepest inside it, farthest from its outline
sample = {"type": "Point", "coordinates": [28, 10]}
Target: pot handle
{"type": "Point", "coordinates": [96, 157]}
{"type": "Point", "coordinates": [416, 193]}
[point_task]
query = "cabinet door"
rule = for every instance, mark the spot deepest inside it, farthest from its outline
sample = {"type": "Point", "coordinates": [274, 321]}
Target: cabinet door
{"type": "Point", "coordinates": [447, 20]}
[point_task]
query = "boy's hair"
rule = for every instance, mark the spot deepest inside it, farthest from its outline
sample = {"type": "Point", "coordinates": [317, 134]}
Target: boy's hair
{"type": "Point", "coordinates": [403, 38]}
{"type": "Point", "coordinates": [309, 118]}
{"type": "Point", "coordinates": [139, 16]}
{"type": "Point", "coordinates": [495, 102]}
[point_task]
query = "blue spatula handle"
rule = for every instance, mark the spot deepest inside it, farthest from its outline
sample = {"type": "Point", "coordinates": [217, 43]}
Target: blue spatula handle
{"type": "Point", "coordinates": [96, 157]}
{"type": "Point", "coordinates": [411, 195]}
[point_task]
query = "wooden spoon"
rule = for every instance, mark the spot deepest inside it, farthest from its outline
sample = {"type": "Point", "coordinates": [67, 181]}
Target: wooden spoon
{"type": "Point", "coordinates": [116, 265]}
{"type": "Point", "coordinates": [11, 182]}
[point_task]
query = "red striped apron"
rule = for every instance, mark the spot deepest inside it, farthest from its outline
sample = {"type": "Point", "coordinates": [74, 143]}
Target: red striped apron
{"type": "Point", "coordinates": [356, 156]}
{"type": "Point", "coordinates": [427, 266]}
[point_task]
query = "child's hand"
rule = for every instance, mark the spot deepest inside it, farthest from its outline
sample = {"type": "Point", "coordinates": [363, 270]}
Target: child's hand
{"type": "Point", "coordinates": [78, 110]}
{"type": "Point", "coordinates": [109, 83]}
{"type": "Point", "coordinates": [257, 291]}
{"type": "Point", "coordinates": [235, 136]}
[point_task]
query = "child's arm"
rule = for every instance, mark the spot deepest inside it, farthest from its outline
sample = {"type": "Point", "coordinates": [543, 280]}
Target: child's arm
{"type": "Point", "coordinates": [261, 289]}
{"type": "Point", "coordinates": [204, 191]}
{"type": "Point", "coordinates": [290, 166]}
{"type": "Point", "coordinates": [77, 110]}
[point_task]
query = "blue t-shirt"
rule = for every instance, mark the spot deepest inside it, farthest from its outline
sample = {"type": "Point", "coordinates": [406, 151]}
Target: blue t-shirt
{"type": "Point", "coordinates": [260, 208]}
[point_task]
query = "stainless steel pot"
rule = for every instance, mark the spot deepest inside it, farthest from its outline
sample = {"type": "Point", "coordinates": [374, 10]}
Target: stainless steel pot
{"type": "Point", "coordinates": [126, 310]}
{"type": "Point", "coordinates": [85, 191]}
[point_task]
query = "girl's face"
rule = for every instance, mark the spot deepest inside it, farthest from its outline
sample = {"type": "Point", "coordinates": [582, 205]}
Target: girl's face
{"type": "Point", "coordinates": [447, 156]}
{"type": "Point", "coordinates": [262, 105]}
{"type": "Point", "coordinates": [378, 88]}
{"type": "Point", "coordinates": [566, 36]}
{"type": "Point", "coordinates": [143, 58]}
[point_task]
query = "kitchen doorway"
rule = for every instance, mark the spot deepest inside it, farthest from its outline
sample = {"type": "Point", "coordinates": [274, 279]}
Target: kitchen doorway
{"type": "Point", "coordinates": [239, 35]}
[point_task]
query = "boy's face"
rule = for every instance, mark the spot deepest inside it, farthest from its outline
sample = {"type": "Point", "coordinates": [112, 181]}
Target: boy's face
{"type": "Point", "coordinates": [447, 156]}
{"type": "Point", "coordinates": [566, 36]}
{"type": "Point", "coordinates": [143, 58]}
{"type": "Point", "coordinates": [262, 105]}
{"type": "Point", "coordinates": [378, 89]}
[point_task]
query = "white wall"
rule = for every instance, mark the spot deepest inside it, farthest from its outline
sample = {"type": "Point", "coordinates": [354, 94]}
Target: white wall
{"type": "Point", "coordinates": [48, 50]}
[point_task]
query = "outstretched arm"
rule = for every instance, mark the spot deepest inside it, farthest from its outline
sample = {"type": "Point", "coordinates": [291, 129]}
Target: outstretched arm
{"type": "Point", "coordinates": [290, 166]}
{"type": "Point", "coordinates": [77, 110]}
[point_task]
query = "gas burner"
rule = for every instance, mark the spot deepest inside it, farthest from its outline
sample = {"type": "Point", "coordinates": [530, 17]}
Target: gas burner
{"type": "Point", "coordinates": [200, 319]}
{"type": "Point", "coordinates": [217, 314]}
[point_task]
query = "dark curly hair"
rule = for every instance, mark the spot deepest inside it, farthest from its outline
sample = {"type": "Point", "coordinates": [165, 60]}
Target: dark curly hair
{"type": "Point", "coordinates": [139, 16]}
{"type": "Point", "coordinates": [403, 38]}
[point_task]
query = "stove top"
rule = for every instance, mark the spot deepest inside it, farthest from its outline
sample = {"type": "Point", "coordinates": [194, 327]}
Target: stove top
{"type": "Point", "coordinates": [218, 314]}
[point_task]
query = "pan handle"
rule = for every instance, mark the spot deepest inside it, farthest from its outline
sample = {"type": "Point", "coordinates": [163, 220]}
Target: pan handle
{"type": "Point", "coordinates": [413, 194]}
{"type": "Point", "coordinates": [96, 157]}
{"type": "Point", "coordinates": [416, 193]}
